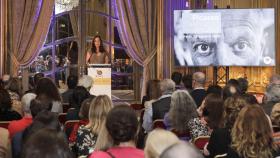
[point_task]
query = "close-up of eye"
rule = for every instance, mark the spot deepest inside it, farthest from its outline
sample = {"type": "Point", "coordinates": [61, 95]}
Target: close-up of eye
{"type": "Point", "coordinates": [241, 46]}
{"type": "Point", "coordinates": [202, 48]}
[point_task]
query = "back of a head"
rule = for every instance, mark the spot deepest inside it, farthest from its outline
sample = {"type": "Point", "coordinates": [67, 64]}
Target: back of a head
{"type": "Point", "coordinates": [187, 81]}
{"type": "Point", "coordinates": [199, 77]}
{"type": "Point", "coordinates": [80, 93]}
{"type": "Point", "coordinates": [167, 86]}
{"type": "Point", "coordinates": [26, 100]}
{"type": "Point", "coordinates": [46, 143]}
{"type": "Point", "coordinates": [176, 77]}
{"type": "Point", "coordinates": [39, 104]}
{"type": "Point", "coordinates": [243, 84]}
{"type": "Point", "coordinates": [84, 110]}
{"type": "Point", "coordinates": [46, 86]}
{"type": "Point", "coordinates": [14, 85]}
{"type": "Point", "coordinates": [274, 79]}
{"type": "Point", "coordinates": [85, 81]}
{"type": "Point", "coordinates": [275, 115]}
{"type": "Point", "coordinates": [182, 150]}
{"type": "Point", "coordinates": [5, 100]}
{"type": "Point", "coordinates": [122, 124]}
{"type": "Point", "coordinates": [273, 93]}
{"type": "Point", "coordinates": [153, 89]}
{"type": "Point", "coordinates": [37, 77]}
{"type": "Point", "coordinates": [230, 90]}
{"type": "Point", "coordinates": [214, 89]}
{"type": "Point", "coordinates": [6, 79]}
{"type": "Point", "coordinates": [157, 141]}
{"type": "Point", "coordinates": [72, 81]}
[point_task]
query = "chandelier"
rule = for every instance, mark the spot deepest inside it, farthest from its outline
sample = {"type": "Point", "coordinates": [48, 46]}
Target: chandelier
{"type": "Point", "coordinates": [65, 5]}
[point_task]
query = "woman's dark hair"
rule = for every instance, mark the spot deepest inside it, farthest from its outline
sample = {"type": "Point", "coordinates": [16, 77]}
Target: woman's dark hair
{"type": "Point", "coordinates": [47, 87]}
{"type": "Point", "coordinates": [93, 48]}
{"type": "Point", "coordinates": [80, 93]}
{"type": "Point", "coordinates": [230, 90]}
{"type": "Point", "coordinates": [46, 143]}
{"type": "Point", "coordinates": [187, 81]}
{"type": "Point", "coordinates": [176, 77]}
{"type": "Point", "coordinates": [122, 124]}
{"type": "Point", "coordinates": [243, 84]}
{"type": "Point", "coordinates": [39, 104]}
{"type": "Point", "coordinates": [5, 100]}
{"type": "Point", "coordinates": [72, 81]}
{"type": "Point", "coordinates": [84, 110]}
{"type": "Point", "coordinates": [153, 89]}
{"type": "Point", "coordinates": [250, 98]}
{"type": "Point", "coordinates": [214, 89]}
{"type": "Point", "coordinates": [213, 110]}
{"type": "Point", "coordinates": [14, 85]}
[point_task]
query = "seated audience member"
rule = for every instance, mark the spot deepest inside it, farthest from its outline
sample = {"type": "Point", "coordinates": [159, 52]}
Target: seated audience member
{"type": "Point", "coordinates": [177, 77]}
{"type": "Point", "coordinates": [159, 107]}
{"type": "Point", "coordinates": [187, 81]}
{"type": "Point", "coordinates": [213, 111]}
{"type": "Point", "coordinates": [181, 150]}
{"type": "Point", "coordinates": [87, 135]}
{"type": "Point", "coordinates": [157, 141]}
{"type": "Point", "coordinates": [272, 96]}
{"type": "Point", "coordinates": [230, 90]}
{"type": "Point", "coordinates": [4, 143]}
{"type": "Point", "coordinates": [72, 82]}
{"type": "Point", "coordinates": [36, 107]}
{"type": "Point", "coordinates": [47, 88]}
{"type": "Point", "coordinates": [243, 84]}
{"type": "Point", "coordinates": [85, 81]}
{"type": "Point", "coordinates": [183, 116]}
{"type": "Point", "coordinates": [251, 135]}
{"type": "Point", "coordinates": [220, 139]}
{"type": "Point", "coordinates": [19, 125]}
{"type": "Point", "coordinates": [6, 112]}
{"type": "Point", "coordinates": [78, 96]}
{"type": "Point", "coordinates": [198, 94]}
{"type": "Point", "coordinates": [275, 119]}
{"type": "Point", "coordinates": [46, 143]}
{"type": "Point", "coordinates": [36, 78]}
{"type": "Point", "coordinates": [122, 126]}
{"type": "Point", "coordinates": [152, 91]}
{"type": "Point", "coordinates": [214, 89]}
{"type": "Point", "coordinates": [83, 115]}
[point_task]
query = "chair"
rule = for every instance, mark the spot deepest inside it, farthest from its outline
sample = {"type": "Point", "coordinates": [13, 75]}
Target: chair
{"type": "Point", "coordinates": [69, 125]}
{"type": "Point", "coordinates": [158, 124]}
{"type": "Point", "coordinates": [201, 141]}
{"type": "Point", "coordinates": [137, 106]}
{"type": "Point", "coordinates": [4, 124]}
{"type": "Point", "coordinates": [221, 156]}
{"type": "Point", "coordinates": [62, 118]}
{"type": "Point", "coordinates": [65, 107]}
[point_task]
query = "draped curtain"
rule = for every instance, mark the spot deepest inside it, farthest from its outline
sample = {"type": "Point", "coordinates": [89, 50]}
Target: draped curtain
{"type": "Point", "coordinates": [30, 25]}
{"type": "Point", "coordinates": [138, 33]}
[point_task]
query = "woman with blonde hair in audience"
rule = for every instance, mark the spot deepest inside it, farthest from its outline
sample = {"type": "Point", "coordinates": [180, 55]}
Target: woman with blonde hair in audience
{"type": "Point", "coordinates": [220, 137]}
{"type": "Point", "coordinates": [252, 135]}
{"type": "Point", "coordinates": [183, 116]}
{"type": "Point", "coordinates": [87, 135]}
{"type": "Point", "coordinates": [157, 141]}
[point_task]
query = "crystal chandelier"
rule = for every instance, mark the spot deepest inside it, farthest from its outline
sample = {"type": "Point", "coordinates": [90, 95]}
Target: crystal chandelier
{"type": "Point", "coordinates": [65, 5]}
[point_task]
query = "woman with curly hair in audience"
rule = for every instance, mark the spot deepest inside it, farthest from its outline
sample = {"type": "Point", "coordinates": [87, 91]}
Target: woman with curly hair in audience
{"type": "Point", "coordinates": [122, 126]}
{"type": "Point", "coordinates": [252, 135]}
{"type": "Point", "coordinates": [183, 116]}
{"type": "Point", "coordinates": [87, 134]}
{"type": "Point", "coordinates": [220, 137]}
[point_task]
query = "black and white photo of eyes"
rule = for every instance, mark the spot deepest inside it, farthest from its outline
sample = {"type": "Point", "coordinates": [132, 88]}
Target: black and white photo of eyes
{"type": "Point", "coordinates": [229, 37]}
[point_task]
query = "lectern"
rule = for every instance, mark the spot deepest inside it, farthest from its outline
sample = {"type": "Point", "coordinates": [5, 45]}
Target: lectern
{"type": "Point", "coordinates": [101, 74]}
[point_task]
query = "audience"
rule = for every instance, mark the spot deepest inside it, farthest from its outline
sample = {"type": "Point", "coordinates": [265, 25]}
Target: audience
{"type": "Point", "coordinates": [181, 150]}
{"type": "Point", "coordinates": [187, 81]}
{"type": "Point", "coordinates": [177, 78]}
{"type": "Point", "coordinates": [198, 94]}
{"type": "Point", "coordinates": [72, 82]}
{"type": "Point", "coordinates": [87, 135]}
{"type": "Point", "coordinates": [272, 96]}
{"type": "Point", "coordinates": [19, 125]}
{"type": "Point", "coordinates": [122, 127]}
{"type": "Point", "coordinates": [243, 84]}
{"type": "Point", "coordinates": [6, 112]}
{"type": "Point", "coordinates": [157, 141]}
{"type": "Point", "coordinates": [251, 135]}
{"type": "Point", "coordinates": [160, 106]}
{"type": "Point", "coordinates": [47, 88]}
{"type": "Point", "coordinates": [46, 143]}
{"type": "Point", "coordinates": [79, 94]}
{"type": "Point", "coordinates": [220, 137]}
{"type": "Point", "coordinates": [183, 116]}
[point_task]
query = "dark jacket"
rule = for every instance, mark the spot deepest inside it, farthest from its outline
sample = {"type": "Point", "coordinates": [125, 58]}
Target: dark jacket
{"type": "Point", "coordinates": [160, 107]}
{"type": "Point", "coordinates": [198, 96]}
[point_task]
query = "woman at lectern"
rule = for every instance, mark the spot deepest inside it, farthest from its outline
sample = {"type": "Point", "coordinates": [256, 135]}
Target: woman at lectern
{"type": "Point", "coordinates": [97, 54]}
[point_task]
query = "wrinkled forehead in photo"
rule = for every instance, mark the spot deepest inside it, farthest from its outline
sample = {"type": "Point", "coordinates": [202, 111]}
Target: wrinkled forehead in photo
{"type": "Point", "coordinates": [224, 37]}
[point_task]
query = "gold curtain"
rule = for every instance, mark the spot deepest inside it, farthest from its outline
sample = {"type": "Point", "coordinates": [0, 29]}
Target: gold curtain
{"type": "Point", "coordinates": [138, 32]}
{"type": "Point", "coordinates": [30, 24]}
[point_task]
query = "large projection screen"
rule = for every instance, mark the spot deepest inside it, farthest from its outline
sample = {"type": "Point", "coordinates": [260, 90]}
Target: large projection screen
{"type": "Point", "coordinates": [224, 37]}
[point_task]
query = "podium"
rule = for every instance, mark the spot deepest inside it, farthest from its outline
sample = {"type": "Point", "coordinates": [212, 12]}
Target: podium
{"type": "Point", "coordinates": [101, 74]}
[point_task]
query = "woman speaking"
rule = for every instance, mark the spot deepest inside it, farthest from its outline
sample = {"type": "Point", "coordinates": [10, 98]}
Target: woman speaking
{"type": "Point", "coordinates": [97, 54]}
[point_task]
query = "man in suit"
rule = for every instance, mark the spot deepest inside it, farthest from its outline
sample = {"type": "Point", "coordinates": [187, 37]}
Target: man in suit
{"type": "Point", "coordinates": [198, 92]}
{"type": "Point", "coordinates": [161, 106]}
